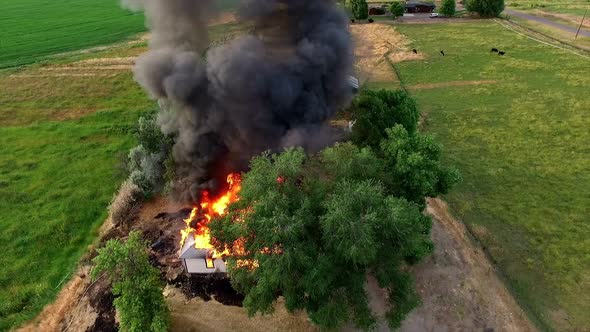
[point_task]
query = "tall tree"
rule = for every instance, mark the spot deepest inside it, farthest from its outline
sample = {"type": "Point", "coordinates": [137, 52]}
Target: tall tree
{"type": "Point", "coordinates": [448, 8]}
{"type": "Point", "coordinates": [310, 229]}
{"type": "Point", "coordinates": [397, 9]}
{"type": "Point", "coordinates": [485, 8]}
{"type": "Point", "coordinates": [359, 9]}
{"type": "Point", "coordinates": [140, 303]}
{"type": "Point", "coordinates": [377, 110]}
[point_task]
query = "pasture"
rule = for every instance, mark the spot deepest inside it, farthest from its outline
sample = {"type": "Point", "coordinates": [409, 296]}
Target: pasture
{"type": "Point", "coordinates": [517, 127]}
{"type": "Point", "coordinates": [64, 129]}
{"type": "Point", "coordinates": [34, 30]}
{"type": "Point", "coordinates": [574, 7]}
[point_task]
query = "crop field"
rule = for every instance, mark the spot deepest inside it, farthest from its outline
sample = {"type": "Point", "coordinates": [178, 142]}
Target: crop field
{"type": "Point", "coordinates": [517, 127]}
{"type": "Point", "coordinates": [33, 30]}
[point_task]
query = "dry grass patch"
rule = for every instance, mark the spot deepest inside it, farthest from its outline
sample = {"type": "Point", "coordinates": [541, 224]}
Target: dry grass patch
{"type": "Point", "coordinates": [374, 44]}
{"type": "Point", "coordinates": [449, 84]}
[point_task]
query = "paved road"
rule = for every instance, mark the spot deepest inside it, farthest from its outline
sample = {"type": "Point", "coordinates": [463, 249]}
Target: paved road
{"type": "Point", "coordinates": [542, 20]}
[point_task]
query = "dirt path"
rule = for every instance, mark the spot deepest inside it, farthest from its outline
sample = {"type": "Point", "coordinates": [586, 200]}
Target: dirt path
{"type": "Point", "coordinates": [542, 20]}
{"type": "Point", "coordinates": [459, 287]}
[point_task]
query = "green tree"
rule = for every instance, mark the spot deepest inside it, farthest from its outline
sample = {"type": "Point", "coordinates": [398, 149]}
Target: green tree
{"type": "Point", "coordinates": [397, 9]}
{"type": "Point", "coordinates": [485, 8]}
{"type": "Point", "coordinates": [310, 228]}
{"type": "Point", "coordinates": [359, 9]}
{"type": "Point", "coordinates": [413, 166]}
{"type": "Point", "coordinates": [448, 8]}
{"type": "Point", "coordinates": [377, 110]}
{"type": "Point", "coordinates": [140, 303]}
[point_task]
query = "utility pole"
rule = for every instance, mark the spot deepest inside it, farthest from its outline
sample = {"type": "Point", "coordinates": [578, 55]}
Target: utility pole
{"type": "Point", "coordinates": [580, 27]}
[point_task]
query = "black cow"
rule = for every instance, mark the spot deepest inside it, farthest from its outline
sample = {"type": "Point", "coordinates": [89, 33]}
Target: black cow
{"type": "Point", "coordinates": [501, 53]}
{"type": "Point", "coordinates": [415, 51]}
{"type": "Point", "coordinates": [442, 52]}
{"type": "Point", "coordinates": [494, 50]}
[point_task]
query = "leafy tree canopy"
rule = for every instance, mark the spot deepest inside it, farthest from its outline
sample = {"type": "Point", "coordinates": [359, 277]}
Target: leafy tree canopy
{"type": "Point", "coordinates": [359, 9]}
{"type": "Point", "coordinates": [448, 7]}
{"type": "Point", "coordinates": [397, 9]}
{"type": "Point", "coordinates": [414, 168]}
{"type": "Point", "coordinates": [140, 302]}
{"type": "Point", "coordinates": [485, 8]}
{"type": "Point", "coordinates": [312, 227]}
{"type": "Point", "coordinates": [377, 110]}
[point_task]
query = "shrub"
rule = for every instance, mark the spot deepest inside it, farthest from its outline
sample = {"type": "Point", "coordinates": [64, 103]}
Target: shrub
{"type": "Point", "coordinates": [370, 20]}
{"type": "Point", "coordinates": [318, 232]}
{"type": "Point", "coordinates": [124, 202]}
{"type": "Point", "coordinates": [359, 9]}
{"type": "Point", "coordinates": [149, 135]}
{"type": "Point", "coordinates": [377, 110]}
{"type": "Point", "coordinates": [448, 8]}
{"type": "Point", "coordinates": [485, 8]}
{"type": "Point", "coordinates": [139, 303]}
{"type": "Point", "coordinates": [146, 169]}
{"type": "Point", "coordinates": [397, 9]}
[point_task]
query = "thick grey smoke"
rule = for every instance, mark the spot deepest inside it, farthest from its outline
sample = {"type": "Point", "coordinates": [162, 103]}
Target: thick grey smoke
{"type": "Point", "coordinates": [274, 88]}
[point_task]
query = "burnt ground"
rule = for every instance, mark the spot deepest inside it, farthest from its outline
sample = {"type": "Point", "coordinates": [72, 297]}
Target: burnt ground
{"type": "Point", "coordinates": [459, 287]}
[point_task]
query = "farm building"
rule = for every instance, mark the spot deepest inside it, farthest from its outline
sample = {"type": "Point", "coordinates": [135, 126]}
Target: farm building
{"type": "Point", "coordinates": [199, 261]}
{"type": "Point", "coordinates": [419, 7]}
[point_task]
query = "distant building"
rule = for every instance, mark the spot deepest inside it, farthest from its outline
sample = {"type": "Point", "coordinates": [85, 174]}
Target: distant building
{"type": "Point", "coordinates": [419, 7]}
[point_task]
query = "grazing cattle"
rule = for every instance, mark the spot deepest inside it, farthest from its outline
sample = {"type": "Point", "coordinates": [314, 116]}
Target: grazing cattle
{"type": "Point", "coordinates": [415, 51]}
{"type": "Point", "coordinates": [501, 52]}
{"type": "Point", "coordinates": [494, 50]}
{"type": "Point", "coordinates": [442, 52]}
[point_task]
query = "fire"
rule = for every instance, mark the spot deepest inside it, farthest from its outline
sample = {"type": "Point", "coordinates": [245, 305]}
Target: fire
{"type": "Point", "coordinates": [207, 209]}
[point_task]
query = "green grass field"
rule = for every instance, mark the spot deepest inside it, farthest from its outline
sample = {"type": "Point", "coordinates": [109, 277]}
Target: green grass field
{"type": "Point", "coordinates": [519, 132]}
{"type": "Point", "coordinates": [61, 141]}
{"type": "Point", "coordinates": [33, 30]}
{"type": "Point", "coordinates": [574, 7]}
{"type": "Point", "coordinates": [65, 127]}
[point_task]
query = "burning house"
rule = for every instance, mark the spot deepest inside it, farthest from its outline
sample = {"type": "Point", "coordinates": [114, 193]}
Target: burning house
{"type": "Point", "coordinates": [200, 261]}
{"type": "Point", "coordinates": [272, 88]}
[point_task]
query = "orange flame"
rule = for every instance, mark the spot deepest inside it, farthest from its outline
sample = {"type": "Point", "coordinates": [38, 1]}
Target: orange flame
{"type": "Point", "coordinates": [206, 211]}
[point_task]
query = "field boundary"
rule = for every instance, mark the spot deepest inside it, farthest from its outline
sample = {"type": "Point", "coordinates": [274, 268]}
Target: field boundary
{"type": "Point", "coordinates": [584, 53]}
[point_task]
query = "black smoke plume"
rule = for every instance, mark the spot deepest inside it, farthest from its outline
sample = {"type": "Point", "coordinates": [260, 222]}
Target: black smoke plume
{"type": "Point", "coordinates": [273, 88]}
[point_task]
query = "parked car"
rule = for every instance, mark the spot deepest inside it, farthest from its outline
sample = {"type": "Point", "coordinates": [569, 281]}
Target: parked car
{"type": "Point", "coordinates": [433, 15]}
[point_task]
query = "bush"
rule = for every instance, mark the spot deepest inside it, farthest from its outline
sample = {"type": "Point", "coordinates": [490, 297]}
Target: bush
{"type": "Point", "coordinates": [359, 9]}
{"type": "Point", "coordinates": [485, 8]}
{"type": "Point", "coordinates": [370, 20]}
{"type": "Point", "coordinates": [149, 135]}
{"type": "Point", "coordinates": [124, 202]}
{"type": "Point", "coordinates": [146, 169]}
{"type": "Point", "coordinates": [139, 303]}
{"type": "Point", "coordinates": [397, 9]}
{"type": "Point", "coordinates": [377, 110]}
{"type": "Point", "coordinates": [313, 236]}
{"type": "Point", "coordinates": [448, 8]}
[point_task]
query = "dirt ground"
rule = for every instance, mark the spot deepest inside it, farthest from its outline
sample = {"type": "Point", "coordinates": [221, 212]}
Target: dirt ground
{"type": "Point", "coordinates": [375, 45]}
{"type": "Point", "coordinates": [460, 291]}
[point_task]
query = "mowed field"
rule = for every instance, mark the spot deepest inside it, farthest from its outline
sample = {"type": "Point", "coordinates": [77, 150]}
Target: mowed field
{"type": "Point", "coordinates": [33, 30]}
{"type": "Point", "coordinates": [518, 128]}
